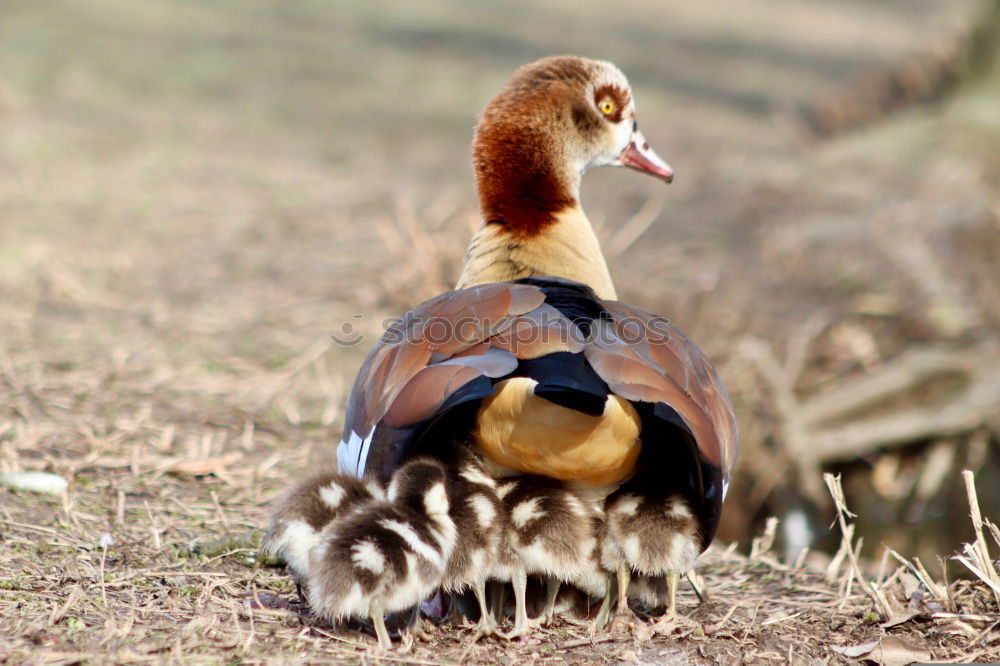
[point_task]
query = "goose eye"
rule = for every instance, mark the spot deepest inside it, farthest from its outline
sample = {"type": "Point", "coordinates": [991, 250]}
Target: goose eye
{"type": "Point", "coordinates": [607, 107]}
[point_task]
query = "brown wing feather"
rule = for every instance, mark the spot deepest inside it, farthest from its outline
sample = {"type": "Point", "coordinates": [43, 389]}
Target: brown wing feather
{"type": "Point", "coordinates": [454, 324]}
{"type": "Point", "coordinates": [423, 394]}
{"type": "Point", "coordinates": [640, 354]}
{"type": "Point", "coordinates": [542, 331]}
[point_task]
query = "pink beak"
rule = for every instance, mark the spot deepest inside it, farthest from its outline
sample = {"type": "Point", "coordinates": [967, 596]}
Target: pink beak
{"type": "Point", "coordinates": [639, 156]}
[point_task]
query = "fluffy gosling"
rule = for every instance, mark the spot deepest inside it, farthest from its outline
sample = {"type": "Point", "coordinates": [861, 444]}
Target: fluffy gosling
{"type": "Point", "coordinates": [300, 514]}
{"type": "Point", "coordinates": [649, 535]}
{"type": "Point", "coordinates": [553, 533]}
{"type": "Point", "coordinates": [388, 556]}
{"type": "Point", "coordinates": [481, 522]}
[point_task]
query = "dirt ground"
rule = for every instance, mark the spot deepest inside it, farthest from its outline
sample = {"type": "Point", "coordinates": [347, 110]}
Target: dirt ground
{"type": "Point", "coordinates": [195, 196]}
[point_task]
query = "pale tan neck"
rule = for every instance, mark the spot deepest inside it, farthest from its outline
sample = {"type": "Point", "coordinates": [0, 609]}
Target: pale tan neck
{"type": "Point", "coordinates": [566, 248]}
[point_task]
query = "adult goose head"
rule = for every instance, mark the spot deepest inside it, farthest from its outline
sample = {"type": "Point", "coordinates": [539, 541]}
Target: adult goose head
{"type": "Point", "coordinates": [530, 360]}
{"type": "Point", "coordinates": [553, 120]}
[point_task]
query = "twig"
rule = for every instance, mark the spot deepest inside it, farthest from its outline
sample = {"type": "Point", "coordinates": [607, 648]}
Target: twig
{"type": "Point", "coordinates": [152, 526]}
{"type": "Point", "coordinates": [896, 376]}
{"type": "Point", "coordinates": [219, 511]}
{"type": "Point", "coordinates": [75, 595]}
{"type": "Point", "coordinates": [781, 619]}
{"type": "Point", "coordinates": [797, 349]}
{"type": "Point", "coordinates": [978, 554]}
{"type": "Point", "coordinates": [762, 544]}
{"type": "Point", "coordinates": [796, 445]}
{"type": "Point", "coordinates": [104, 591]}
{"type": "Point", "coordinates": [714, 628]}
{"type": "Point", "coordinates": [120, 509]}
{"type": "Point", "coordinates": [585, 641]}
{"type": "Point", "coordinates": [966, 411]}
{"type": "Point", "coordinates": [940, 592]}
{"type": "Point", "coordinates": [637, 225]}
{"type": "Point", "coordinates": [253, 626]}
{"type": "Point", "coordinates": [837, 492]}
{"type": "Point", "coordinates": [983, 634]}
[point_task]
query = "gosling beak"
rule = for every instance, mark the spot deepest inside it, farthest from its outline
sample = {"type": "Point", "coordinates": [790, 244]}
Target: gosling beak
{"type": "Point", "coordinates": [639, 156]}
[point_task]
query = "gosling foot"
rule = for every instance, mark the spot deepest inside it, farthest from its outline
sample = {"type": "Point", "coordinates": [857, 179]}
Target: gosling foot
{"type": "Point", "coordinates": [521, 629]}
{"type": "Point", "coordinates": [420, 629]}
{"type": "Point", "coordinates": [623, 621]}
{"type": "Point", "coordinates": [487, 626]}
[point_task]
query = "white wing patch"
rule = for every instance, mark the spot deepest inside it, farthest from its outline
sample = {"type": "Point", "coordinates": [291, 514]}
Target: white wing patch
{"type": "Point", "coordinates": [483, 509]}
{"type": "Point", "coordinates": [525, 512]}
{"type": "Point", "coordinates": [627, 505]}
{"type": "Point", "coordinates": [679, 509]}
{"type": "Point", "coordinates": [353, 452]}
{"type": "Point", "coordinates": [294, 545]}
{"type": "Point", "coordinates": [332, 495]}
{"type": "Point", "coordinates": [375, 489]}
{"type": "Point", "coordinates": [631, 547]}
{"type": "Point", "coordinates": [366, 555]}
{"type": "Point", "coordinates": [574, 504]}
{"type": "Point", "coordinates": [504, 489]}
{"type": "Point", "coordinates": [413, 540]}
{"type": "Point", "coordinates": [473, 474]}
{"type": "Point", "coordinates": [436, 500]}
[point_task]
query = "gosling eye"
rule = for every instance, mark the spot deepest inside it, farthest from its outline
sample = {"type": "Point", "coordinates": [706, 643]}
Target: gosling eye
{"type": "Point", "coordinates": [607, 107]}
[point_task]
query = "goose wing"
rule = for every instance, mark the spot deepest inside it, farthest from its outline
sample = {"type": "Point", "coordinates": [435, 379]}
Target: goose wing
{"type": "Point", "coordinates": [455, 349]}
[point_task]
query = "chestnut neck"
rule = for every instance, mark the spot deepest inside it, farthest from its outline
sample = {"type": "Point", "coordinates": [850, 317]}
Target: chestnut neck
{"type": "Point", "coordinates": [533, 222]}
{"type": "Point", "coordinates": [528, 180]}
{"type": "Point", "coordinates": [522, 177]}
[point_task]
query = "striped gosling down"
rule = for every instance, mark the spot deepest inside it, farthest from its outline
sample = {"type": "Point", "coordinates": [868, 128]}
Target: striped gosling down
{"type": "Point", "coordinates": [482, 524]}
{"type": "Point", "coordinates": [654, 535]}
{"type": "Point", "coordinates": [553, 533]}
{"type": "Point", "coordinates": [390, 555]}
{"type": "Point", "coordinates": [300, 514]}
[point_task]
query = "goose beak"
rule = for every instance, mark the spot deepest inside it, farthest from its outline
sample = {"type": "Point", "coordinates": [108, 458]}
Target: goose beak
{"type": "Point", "coordinates": [639, 156]}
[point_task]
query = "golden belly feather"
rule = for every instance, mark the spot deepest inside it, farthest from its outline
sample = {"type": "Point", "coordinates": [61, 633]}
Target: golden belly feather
{"type": "Point", "coordinates": [520, 431]}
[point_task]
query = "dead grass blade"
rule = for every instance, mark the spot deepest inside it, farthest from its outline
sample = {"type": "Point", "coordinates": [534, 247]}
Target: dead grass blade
{"type": "Point", "coordinates": [871, 589]}
{"type": "Point", "coordinates": [977, 554]}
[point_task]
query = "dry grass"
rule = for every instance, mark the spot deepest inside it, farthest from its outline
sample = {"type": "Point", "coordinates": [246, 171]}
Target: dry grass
{"type": "Point", "coordinates": [128, 568]}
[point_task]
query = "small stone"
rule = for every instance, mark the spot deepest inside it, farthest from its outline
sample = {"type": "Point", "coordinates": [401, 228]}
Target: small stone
{"type": "Point", "coordinates": [35, 482]}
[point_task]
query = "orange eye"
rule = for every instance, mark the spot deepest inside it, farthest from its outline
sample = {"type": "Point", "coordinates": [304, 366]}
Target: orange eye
{"type": "Point", "coordinates": [607, 107]}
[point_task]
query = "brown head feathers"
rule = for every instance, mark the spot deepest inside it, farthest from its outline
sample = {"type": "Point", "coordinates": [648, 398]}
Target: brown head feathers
{"type": "Point", "coordinates": [541, 132]}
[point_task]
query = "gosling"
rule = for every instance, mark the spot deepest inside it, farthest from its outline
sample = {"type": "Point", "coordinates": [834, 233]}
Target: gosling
{"type": "Point", "coordinates": [388, 556]}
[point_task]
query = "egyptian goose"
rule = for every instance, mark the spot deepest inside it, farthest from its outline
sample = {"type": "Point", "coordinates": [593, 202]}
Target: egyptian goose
{"type": "Point", "coordinates": [553, 533]}
{"type": "Point", "coordinates": [300, 514]}
{"type": "Point", "coordinates": [387, 556]}
{"type": "Point", "coordinates": [531, 360]}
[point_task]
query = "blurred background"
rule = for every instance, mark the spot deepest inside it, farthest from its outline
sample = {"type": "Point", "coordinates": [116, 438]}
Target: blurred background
{"type": "Point", "coordinates": [195, 195]}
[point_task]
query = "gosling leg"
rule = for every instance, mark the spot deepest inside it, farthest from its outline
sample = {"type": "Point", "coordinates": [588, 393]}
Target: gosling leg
{"type": "Point", "coordinates": [624, 617]}
{"type": "Point", "coordinates": [624, 577]}
{"type": "Point", "coordinates": [487, 622]}
{"type": "Point", "coordinates": [604, 612]}
{"type": "Point", "coordinates": [520, 582]}
{"type": "Point", "coordinates": [551, 592]}
{"type": "Point", "coordinates": [418, 628]}
{"type": "Point", "coordinates": [377, 613]}
{"type": "Point", "coordinates": [673, 579]}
